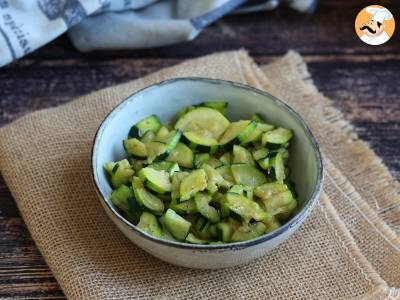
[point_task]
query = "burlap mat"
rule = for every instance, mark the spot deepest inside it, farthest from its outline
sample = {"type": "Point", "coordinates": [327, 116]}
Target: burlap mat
{"type": "Point", "coordinates": [348, 247]}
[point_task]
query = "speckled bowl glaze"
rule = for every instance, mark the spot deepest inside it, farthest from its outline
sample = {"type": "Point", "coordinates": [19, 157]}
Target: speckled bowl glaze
{"type": "Point", "coordinates": [165, 99]}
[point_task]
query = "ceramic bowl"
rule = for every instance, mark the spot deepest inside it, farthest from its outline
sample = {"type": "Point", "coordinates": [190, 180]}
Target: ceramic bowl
{"type": "Point", "coordinates": [165, 99]}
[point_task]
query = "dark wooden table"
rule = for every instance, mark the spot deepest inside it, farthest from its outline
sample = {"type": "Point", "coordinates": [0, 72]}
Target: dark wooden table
{"type": "Point", "coordinates": [363, 81]}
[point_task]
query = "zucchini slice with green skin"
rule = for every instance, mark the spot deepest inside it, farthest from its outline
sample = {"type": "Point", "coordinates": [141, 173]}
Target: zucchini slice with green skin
{"type": "Point", "coordinates": [277, 136]}
{"type": "Point", "coordinates": [176, 183]}
{"type": "Point", "coordinates": [262, 158]}
{"type": "Point", "coordinates": [200, 158]}
{"type": "Point", "coordinates": [217, 105]}
{"type": "Point", "coordinates": [186, 207]}
{"type": "Point", "coordinates": [203, 126]}
{"type": "Point", "coordinates": [192, 239]}
{"type": "Point", "coordinates": [145, 198]}
{"type": "Point", "coordinates": [120, 172]}
{"type": "Point", "coordinates": [205, 209]}
{"type": "Point", "coordinates": [149, 224]}
{"type": "Point", "coordinates": [267, 190]}
{"type": "Point", "coordinates": [176, 225]}
{"type": "Point", "coordinates": [233, 131]}
{"type": "Point", "coordinates": [158, 151]}
{"type": "Point", "coordinates": [244, 207]}
{"type": "Point", "coordinates": [162, 134]}
{"type": "Point", "coordinates": [151, 123]}
{"type": "Point", "coordinates": [226, 173]}
{"type": "Point", "coordinates": [135, 148]}
{"type": "Point", "coordinates": [195, 182]}
{"type": "Point", "coordinates": [168, 166]}
{"type": "Point", "coordinates": [242, 156]}
{"type": "Point", "coordinates": [215, 179]}
{"type": "Point", "coordinates": [182, 155]}
{"type": "Point", "coordinates": [158, 181]}
{"type": "Point", "coordinates": [281, 205]}
{"type": "Point", "coordinates": [278, 164]}
{"type": "Point", "coordinates": [251, 231]}
{"type": "Point", "coordinates": [148, 137]}
{"type": "Point", "coordinates": [120, 197]}
{"type": "Point", "coordinates": [224, 231]}
{"type": "Point", "coordinates": [248, 175]}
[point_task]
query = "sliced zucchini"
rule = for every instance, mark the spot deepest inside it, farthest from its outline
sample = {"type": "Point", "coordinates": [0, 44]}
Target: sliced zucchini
{"type": "Point", "coordinates": [224, 231]}
{"type": "Point", "coordinates": [176, 225]}
{"type": "Point", "coordinates": [217, 105]}
{"type": "Point", "coordinates": [195, 182]}
{"type": "Point", "coordinates": [244, 207]}
{"type": "Point", "coordinates": [204, 208]}
{"type": "Point", "coordinates": [203, 126]}
{"type": "Point", "coordinates": [156, 180]}
{"type": "Point", "coordinates": [186, 207]}
{"type": "Point", "coordinates": [158, 150]}
{"type": "Point", "coordinates": [120, 197]}
{"type": "Point", "coordinates": [258, 118]}
{"type": "Point", "coordinates": [149, 224]}
{"type": "Point", "coordinates": [214, 179]}
{"type": "Point", "coordinates": [213, 162]}
{"type": "Point", "coordinates": [237, 189]}
{"type": "Point", "coordinates": [277, 136]}
{"type": "Point", "coordinates": [192, 239]}
{"type": "Point", "coordinates": [138, 164]}
{"type": "Point", "coordinates": [226, 158]}
{"type": "Point", "coordinates": [256, 135]}
{"type": "Point", "coordinates": [281, 205]}
{"type": "Point", "coordinates": [162, 134]}
{"type": "Point", "coordinates": [182, 155]}
{"type": "Point", "coordinates": [226, 172]}
{"type": "Point", "coordinates": [151, 123]}
{"type": "Point", "coordinates": [168, 166]}
{"type": "Point", "coordinates": [145, 198]}
{"type": "Point", "coordinates": [120, 172]}
{"type": "Point", "coordinates": [166, 234]}
{"type": "Point", "coordinates": [184, 111]}
{"type": "Point", "coordinates": [271, 222]}
{"type": "Point", "coordinates": [148, 137]}
{"type": "Point", "coordinates": [134, 147]}
{"type": "Point", "coordinates": [262, 158]}
{"type": "Point", "coordinates": [200, 158]}
{"type": "Point", "coordinates": [267, 190]}
{"type": "Point", "coordinates": [278, 164]}
{"type": "Point", "coordinates": [176, 183]}
{"type": "Point", "coordinates": [248, 232]}
{"type": "Point", "coordinates": [233, 131]}
{"type": "Point", "coordinates": [248, 175]}
{"type": "Point", "coordinates": [242, 156]}
{"type": "Point", "coordinates": [247, 134]}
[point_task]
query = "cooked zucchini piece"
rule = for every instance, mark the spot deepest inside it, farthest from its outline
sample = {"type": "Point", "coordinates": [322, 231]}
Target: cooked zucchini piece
{"type": "Point", "coordinates": [151, 123]}
{"type": "Point", "coordinates": [247, 133]}
{"type": "Point", "coordinates": [267, 190]}
{"type": "Point", "coordinates": [148, 137]}
{"type": "Point", "coordinates": [237, 189]}
{"type": "Point", "coordinates": [182, 155]}
{"type": "Point", "coordinates": [162, 134]}
{"type": "Point", "coordinates": [278, 164]}
{"type": "Point", "coordinates": [248, 175]}
{"type": "Point", "coordinates": [138, 164]}
{"type": "Point", "coordinates": [176, 225]}
{"type": "Point", "coordinates": [213, 162]}
{"type": "Point", "coordinates": [195, 182]}
{"type": "Point", "coordinates": [224, 231]}
{"type": "Point", "coordinates": [277, 136]}
{"type": "Point", "coordinates": [214, 179]}
{"type": "Point", "coordinates": [168, 166]}
{"type": "Point", "coordinates": [192, 239]}
{"type": "Point", "coordinates": [248, 232]}
{"type": "Point", "coordinates": [186, 207]}
{"type": "Point", "coordinates": [135, 148]}
{"type": "Point", "coordinates": [200, 158]}
{"type": "Point", "coordinates": [157, 150]}
{"type": "Point", "coordinates": [204, 208]}
{"type": "Point", "coordinates": [281, 205]}
{"type": "Point", "coordinates": [271, 222]}
{"type": "Point", "coordinates": [242, 156]}
{"type": "Point", "coordinates": [244, 207]}
{"type": "Point", "coordinates": [226, 173]}
{"type": "Point", "coordinates": [226, 158]}
{"type": "Point", "coordinates": [217, 105]}
{"type": "Point", "coordinates": [176, 183]}
{"type": "Point", "coordinates": [156, 180]}
{"type": "Point", "coordinates": [184, 111]}
{"type": "Point", "coordinates": [233, 131]}
{"type": "Point", "coordinates": [120, 172]}
{"type": "Point", "coordinates": [166, 234]}
{"type": "Point", "coordinates": [262, 158]}
{"type": "Point", "coordinates": [120, 197]}
{"type": "Point", "coordinates": [145, 198]}
{"type": "Point", "coordinates": [149, 224]}
{"type": "Point", "coordinates": [203, 126]}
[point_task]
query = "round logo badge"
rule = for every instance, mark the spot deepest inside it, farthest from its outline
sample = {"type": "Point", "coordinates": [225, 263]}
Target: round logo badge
{"type": "Point", "coordinates": [375, 25]}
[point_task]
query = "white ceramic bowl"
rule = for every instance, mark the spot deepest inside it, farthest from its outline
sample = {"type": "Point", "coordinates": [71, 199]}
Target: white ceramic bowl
{"type": "Point", "coordinates": [165, 99]}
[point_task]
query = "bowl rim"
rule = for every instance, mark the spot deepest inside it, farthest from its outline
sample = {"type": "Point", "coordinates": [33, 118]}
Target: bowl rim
{"type": "Point", "coordinates": [293, 222]}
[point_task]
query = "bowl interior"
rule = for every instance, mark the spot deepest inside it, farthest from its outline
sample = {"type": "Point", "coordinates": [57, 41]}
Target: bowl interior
{"type": "Point", "coordinates": [168, 97]}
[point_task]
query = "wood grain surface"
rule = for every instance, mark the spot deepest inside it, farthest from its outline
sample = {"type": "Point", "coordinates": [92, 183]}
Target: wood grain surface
{"type": "Point", "coordinates": [362, 80]}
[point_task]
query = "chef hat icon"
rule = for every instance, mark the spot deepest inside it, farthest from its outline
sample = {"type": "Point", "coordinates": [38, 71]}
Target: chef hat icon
{"type": "Point", "coordinates": [379, 14]}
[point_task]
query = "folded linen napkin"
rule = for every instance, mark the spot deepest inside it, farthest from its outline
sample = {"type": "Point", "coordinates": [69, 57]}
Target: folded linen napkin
{"type": "Point", "coordinates": [346, 249]}
{"type": "Point", "coordinates": [114, 24]}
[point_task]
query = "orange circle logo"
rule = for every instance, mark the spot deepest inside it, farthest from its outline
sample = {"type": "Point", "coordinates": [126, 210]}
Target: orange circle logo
{"type": "Point", "coordinates": [375, 25]}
